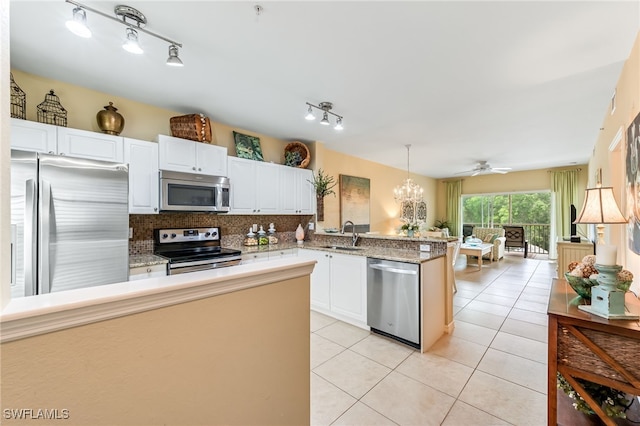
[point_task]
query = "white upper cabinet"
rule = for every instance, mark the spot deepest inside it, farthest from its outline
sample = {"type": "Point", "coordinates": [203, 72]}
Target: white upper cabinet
{"type": "Point", "coordinates": [254, 186]}
{"type": "Point", "coordinates": [92, 145]}
{"type": "Point", "coordinates": [142, 157]}
{"type": "Point", "coordinates": [297, 195]}
{"type": "Point", "coordinates": [181, 155]}
{"type": "Point", "coordinates": [32, 136]}
{"type": "Point", "coordinates": [39, 137]}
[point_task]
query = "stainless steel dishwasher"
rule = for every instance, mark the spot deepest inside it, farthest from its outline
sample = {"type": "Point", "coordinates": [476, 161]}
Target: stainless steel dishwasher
{"type": "Point", "coordinates": [393, 299]}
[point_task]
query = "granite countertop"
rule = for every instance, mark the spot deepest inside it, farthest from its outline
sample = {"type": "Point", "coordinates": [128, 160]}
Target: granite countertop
{"type": "Point", "coordinates": [374, 235]}
{"type": "Point", "coordinates": [398, 255]}
{"type": "Point", "coordinates": [138, 260]}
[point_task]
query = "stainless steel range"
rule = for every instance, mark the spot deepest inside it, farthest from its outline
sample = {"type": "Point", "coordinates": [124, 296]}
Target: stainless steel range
{"type": "Point", "coordinates": [190, 250]}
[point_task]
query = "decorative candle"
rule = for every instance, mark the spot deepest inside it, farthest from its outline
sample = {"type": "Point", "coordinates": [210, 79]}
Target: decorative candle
{"type": "Point", "coordinates": [606, 254]}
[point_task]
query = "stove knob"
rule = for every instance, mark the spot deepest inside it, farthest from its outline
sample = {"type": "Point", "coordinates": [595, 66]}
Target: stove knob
{"type": "Point", "coordinates": [173, 235]}
{"type": "Point", "coordinates": [164, 235]}
{"type": "Point", "coordinates": [207, 234]}
{"type": "Point", "coordinates": [214, 233]}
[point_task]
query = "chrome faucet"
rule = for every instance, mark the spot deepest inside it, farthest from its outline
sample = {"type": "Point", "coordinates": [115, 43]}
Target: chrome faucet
{"type": "Point", "coordinates": [354, 236]}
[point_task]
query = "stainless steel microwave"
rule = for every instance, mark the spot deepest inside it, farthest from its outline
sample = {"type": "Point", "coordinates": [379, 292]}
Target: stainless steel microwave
{"type": "Point", "coordinates": [193, 192]}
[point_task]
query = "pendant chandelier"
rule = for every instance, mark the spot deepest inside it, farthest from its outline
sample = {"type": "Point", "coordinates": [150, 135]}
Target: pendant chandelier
{"type": "Point", "coordinates": [409, 191]}
{"type": "Point", "coordinates": [413, 209]}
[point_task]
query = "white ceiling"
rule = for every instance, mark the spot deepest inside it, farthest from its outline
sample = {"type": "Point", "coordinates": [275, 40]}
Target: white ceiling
{"type": "Point", "coordinates": [520, 84]}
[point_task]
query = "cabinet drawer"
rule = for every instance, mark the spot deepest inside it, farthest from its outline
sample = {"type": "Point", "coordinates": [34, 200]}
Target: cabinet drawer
{"type": "Point", "coordinates": [142, 272]}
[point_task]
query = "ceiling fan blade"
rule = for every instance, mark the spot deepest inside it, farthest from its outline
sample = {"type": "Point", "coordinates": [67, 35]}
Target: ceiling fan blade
{"type": "Point", "coordinates": [476, 172]}
{"type": "Point", "coordinates": [463, 173]}
{"type": "Point", "coordinates": [501, 171]}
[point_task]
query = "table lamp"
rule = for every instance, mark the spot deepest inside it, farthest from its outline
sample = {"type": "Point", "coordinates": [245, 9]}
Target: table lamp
{"type": "Point", "coordinates": [600, 208]}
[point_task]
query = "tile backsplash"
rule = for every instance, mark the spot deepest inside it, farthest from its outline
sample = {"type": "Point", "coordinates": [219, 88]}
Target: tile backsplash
{"type": "Point", "coordinates": [233, 228]}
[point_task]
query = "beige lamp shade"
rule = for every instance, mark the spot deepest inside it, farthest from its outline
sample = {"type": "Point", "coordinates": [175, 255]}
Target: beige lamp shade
{"type": "Point", "coordinates": [600, 207]}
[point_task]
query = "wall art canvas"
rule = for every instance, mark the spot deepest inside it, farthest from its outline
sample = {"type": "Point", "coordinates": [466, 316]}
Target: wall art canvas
{"type": "Point", "coordinates": [247, 146]}
{"type": "Point", "coordinates": [633, 184]}
{"type": "Point", "coordinates": [355, 194]}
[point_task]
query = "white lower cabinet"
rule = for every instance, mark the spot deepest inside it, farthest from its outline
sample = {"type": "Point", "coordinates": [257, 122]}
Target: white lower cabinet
{"type": "Point", "coordinates": [142, 272]}
{"type": "Point", "coordinates": [254, 257]}
{"type": "Point", "coordinates": [339, 285]}
{"type": "Point", "coordinates": [267, 255]}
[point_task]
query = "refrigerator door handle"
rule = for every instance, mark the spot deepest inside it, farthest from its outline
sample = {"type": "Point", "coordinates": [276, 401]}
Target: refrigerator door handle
{"type": "Point", "coordinates": [43, 246]}
{"type": "Point", "coordinates": [30, 235]}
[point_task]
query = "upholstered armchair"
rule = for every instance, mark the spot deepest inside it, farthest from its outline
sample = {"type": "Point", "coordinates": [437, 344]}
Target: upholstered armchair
{"type": "Point", "coordinates": [498, 243]}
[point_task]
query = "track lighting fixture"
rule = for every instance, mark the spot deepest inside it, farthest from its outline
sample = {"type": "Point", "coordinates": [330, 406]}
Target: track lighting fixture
{"type": "Point", "coordinates": [128, 16]}
{"type": "Point", "coordinates": [325, 107]}
{"type": "Point", "coordinates": [78, 24]}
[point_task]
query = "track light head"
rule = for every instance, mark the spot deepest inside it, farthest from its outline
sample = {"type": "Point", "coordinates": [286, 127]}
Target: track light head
{"type": "Point", "coordinates": [325, 119]}
{"type": "Point", "coordinates": [78, 24]}
{"type": "Point", "coordinates": [338, 125]}
{"type": "Point", "coordinates": [131, 44]}
{"type": "Point", "coordinates": [174, 60]}
{"type": "Point", "coordinates": [310, 115]}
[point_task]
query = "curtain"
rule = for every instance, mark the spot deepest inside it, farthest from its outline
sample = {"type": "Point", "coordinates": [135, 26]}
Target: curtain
{"type": "Point", "coordinates": [565, 188]}
{"type": "Point", "coordinates": [454, 192]}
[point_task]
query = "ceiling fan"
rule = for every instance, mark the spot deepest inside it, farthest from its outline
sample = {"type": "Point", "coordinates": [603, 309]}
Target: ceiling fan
{"type": "Point", "coordinates": [483, 168]}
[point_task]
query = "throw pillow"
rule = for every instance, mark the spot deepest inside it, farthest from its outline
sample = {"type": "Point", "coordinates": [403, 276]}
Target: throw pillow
{"type": "Point", "coordinates": [493, 238]}
{"type": "Point", "coordinates": [489, 238]}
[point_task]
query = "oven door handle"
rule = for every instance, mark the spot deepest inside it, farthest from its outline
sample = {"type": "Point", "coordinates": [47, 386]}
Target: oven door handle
{"type": "Point", "coordinates": [202, 267]}
{"type": "Point", "coordinates": [201, 262]}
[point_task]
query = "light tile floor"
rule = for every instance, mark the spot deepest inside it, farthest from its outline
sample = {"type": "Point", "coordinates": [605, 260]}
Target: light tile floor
{"type": "Point", "coordinates": [490, 371]}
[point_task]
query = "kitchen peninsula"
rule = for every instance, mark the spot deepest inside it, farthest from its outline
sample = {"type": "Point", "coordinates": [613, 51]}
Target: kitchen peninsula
{"type": "Point", "coordinates": [194, 348]}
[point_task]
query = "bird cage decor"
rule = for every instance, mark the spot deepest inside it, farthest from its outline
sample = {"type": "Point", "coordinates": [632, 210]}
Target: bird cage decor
{"type": "Point", "coordinates": [50, 111]}
{"type": "Point", "coordinates": [18, 100]}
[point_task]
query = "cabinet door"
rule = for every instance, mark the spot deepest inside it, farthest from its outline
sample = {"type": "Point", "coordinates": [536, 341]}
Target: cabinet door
{"type": "Point", "coordinates": [242, 177]}
{"type": "Point", "coordinates": [349, 286]}
{"type": "Point", "coordinates": [320, 279]}
{"type": "Point", "coordinates": [178, 155]}
{"type": "Point", "coordinates": [267, 184]}
{"type": "Point", "coordinates": [33, 136]}
{"type": "Point", "coordinates": [288, 187]}
{"type": "Point", "coordinates": [144, 188]}
{"type": "Point", "coordinates": [306, 192]}
{"type": "Point", "coordinates": [92, 145]}
{"type": "Point", "coordinates": [211, 159]}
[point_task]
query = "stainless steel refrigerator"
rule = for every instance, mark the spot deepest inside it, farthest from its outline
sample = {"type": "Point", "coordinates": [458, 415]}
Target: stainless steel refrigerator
{"type": "Point", "coordinates": [71, 222]}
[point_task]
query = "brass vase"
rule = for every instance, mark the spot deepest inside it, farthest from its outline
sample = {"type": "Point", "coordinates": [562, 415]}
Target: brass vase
{"type": "Point", "coordinates": [110, 121]}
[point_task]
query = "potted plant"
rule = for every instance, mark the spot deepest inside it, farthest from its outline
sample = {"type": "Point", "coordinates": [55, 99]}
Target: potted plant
{"type": "Point", "coordinates": [614, 402]}
{"type": "Point", "coordinates": [323, 185]}
{"type": "Point", "coordinates": [410, 228]}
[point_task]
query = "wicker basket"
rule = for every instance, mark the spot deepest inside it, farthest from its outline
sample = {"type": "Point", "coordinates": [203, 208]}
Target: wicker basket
{"type": "Point", "coordinates": [195, 127]}
{"type": "Point", "coordinates": [302, 150]}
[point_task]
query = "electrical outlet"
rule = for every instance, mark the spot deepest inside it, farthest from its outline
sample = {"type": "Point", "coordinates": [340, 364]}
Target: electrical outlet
{"type": "Point", "coordinates": [130, 233]}
{"type": "Point", "coordinates": [425, 247]}
{"type": "Point", "coordinates": [312, 226]}
{"type": "Point", "coordinates": [255, 227]}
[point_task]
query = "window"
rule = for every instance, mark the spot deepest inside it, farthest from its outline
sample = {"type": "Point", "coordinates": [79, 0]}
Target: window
{"type": "Point", "coordinates": [532, 210]}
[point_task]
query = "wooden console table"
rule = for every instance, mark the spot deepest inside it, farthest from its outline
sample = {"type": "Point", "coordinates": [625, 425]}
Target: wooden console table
{"type": "Point", "coordinates": [588, 347]}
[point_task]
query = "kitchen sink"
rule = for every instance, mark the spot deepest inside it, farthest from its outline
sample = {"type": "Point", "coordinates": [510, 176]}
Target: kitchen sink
{"type": "Point", "coordinates": [347, 248]}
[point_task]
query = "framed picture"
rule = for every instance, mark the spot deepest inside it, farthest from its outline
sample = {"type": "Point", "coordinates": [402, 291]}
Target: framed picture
{"type": "Point", "coordinates": [633, 184]}
{"type": "Point", "coordinates": [355, 195]}
{"type": "Point", "coordinates": [247, 146]}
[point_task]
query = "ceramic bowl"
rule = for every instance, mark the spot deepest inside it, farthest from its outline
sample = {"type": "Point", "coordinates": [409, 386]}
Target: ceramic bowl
{"type": "Point", "coordinates": [582, 286]}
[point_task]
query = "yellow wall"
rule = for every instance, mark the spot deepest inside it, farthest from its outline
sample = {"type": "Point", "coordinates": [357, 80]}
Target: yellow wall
{"type": "Point", "coordinates": [384, 211]}
{"type": "Point", "coordinates": [612, 160]}
{"type": "Point", "coordinates": [236, 359]}
{"type": "Point", "coordinates": [142, 121]}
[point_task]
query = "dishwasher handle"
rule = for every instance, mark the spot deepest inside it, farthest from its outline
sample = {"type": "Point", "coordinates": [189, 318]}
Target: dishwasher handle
{"type": "Point", "coordinates": [393, 270]}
